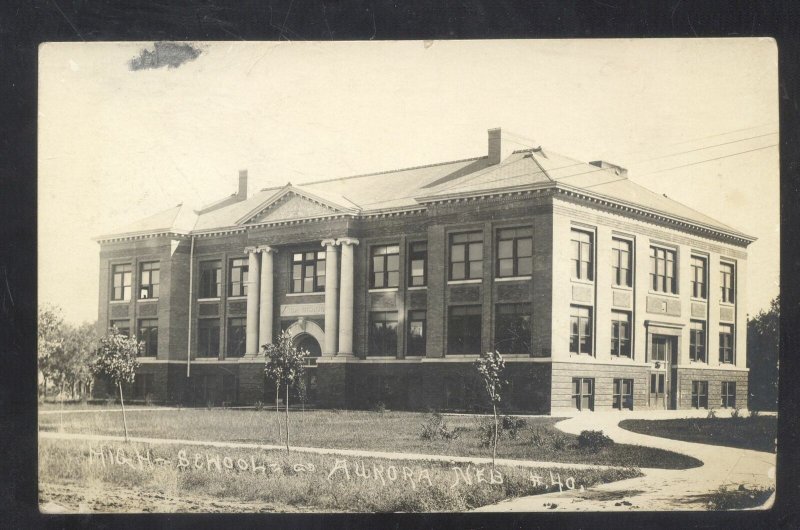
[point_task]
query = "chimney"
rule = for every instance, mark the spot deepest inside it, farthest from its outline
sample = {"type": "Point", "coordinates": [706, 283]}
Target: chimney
{"type": "Point", "coordinates": [619, 170]}
{"type": "Point", "coordinates": [242, 193]}
{"type": "Point", "coordinates": [498, 149]}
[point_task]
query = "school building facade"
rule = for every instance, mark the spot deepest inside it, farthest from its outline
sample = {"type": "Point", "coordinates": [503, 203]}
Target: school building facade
{"type": "Point", "coordinates": [599, 293]}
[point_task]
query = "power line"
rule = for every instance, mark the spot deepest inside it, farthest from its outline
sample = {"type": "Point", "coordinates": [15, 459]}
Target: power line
{"type": "Point", "coordinates": [709, 160]}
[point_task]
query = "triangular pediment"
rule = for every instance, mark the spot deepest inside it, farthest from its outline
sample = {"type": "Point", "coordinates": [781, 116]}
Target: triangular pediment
{"type": "Point", "coordinates": [290, 204]}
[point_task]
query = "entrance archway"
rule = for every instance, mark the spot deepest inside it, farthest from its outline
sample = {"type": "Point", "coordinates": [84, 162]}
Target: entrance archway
{"type": "Point", "coordinates": [308, 336]}
{"type": "Point", "coordinates": [307, 342]}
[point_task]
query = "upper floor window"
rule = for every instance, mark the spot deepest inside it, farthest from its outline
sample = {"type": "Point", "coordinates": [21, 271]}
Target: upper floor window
{"type": "Point", "coordinates": [237, 337]}
{"type": "Point", "coordinates": [582, 255]}
{"type": "Point", "coordinates": [237, 279]}
{"type": "Point", "coordinates": [697, 341]}
{"type": "Point", "coordinates": [662, 270]}
{"type": "Point", "coordinates": [383, 333]}
{"type": "Point", "coordinates": [210, 279]}
{"type": "Point", "coordinates": [418, 264]}
{"type": "Point", "coordinates": [698, 277]}
{"type": "Point", "coordinates": [385, 266]}
{"type": "Point", "coordinates": [464, 330]}
{"type": "Point", "coordinates": [621, 261]}
{"type": "Point", "coordinates": [123, 327]}
{"type": "Point", "coordinates": [121, 283]}
{"type": "Point", "coordinates": [148, 335]}
{"type": "Point", "coordinates": [580, 334]}
{"type": "Point", "coordinates": [416, 332]}
{"type": "Point", "coordinates": [514, 252]}
{"type": "Point", "coordinates": [726, 343]}
{"type": "Point", "coordinates": [512, 328]}
{"type": "Point", "coordinates": [726, 281]}
{"type": "Point", "coordinates": [620, 334]}
{"type": "Point", "coordinates": [308, 272]}
{"type": "Point", "coordinates": [466, 256]}
{"type": "Point", "coordinates": [148, 280]}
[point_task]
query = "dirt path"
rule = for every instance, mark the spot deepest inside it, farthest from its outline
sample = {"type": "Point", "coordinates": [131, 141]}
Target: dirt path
{"type": "Point", "coordinates": [658, 489]}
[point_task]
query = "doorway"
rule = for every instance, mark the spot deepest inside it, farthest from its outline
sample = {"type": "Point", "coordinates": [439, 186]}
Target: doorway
{"type": "Point", "coordinates": [307, 342]}
{"type": "Point", "coordinates": [663, 372]}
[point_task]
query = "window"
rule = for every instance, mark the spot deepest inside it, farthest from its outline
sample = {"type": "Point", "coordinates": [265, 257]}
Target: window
{"type": "Point", "coordinates": [416, 332]}
{"type": "Point", "coordinates": [729, 394]}
{"type": "Point", "coordinates": [385, 266]}
{"type": "Point", "coordinates": [208, 337]}
{"type": "Point", "coordinates": [657, 383]}
{"type": "Point", "coordinates": [580, 337]}
{"type": "Point", "coordinates": [121, 282]}
{"type": "Point", "coordinates": [698, 277]}
{"type": "Point", "coordinates": [210, 279]}
{"type": "Point", "coordinates": [237, 337]}
{"type": "Point", "coordinates": [514, 252]}
{"type": "Point", "coordinates": [583, 393]}
{"type": "Point", "coordinates": [237, 283]}
{"type": "Point", "coordinates": [308, 272]}
{"type": "Point", "coordinates": [623, 394]}
{"type": "Point", "coordinates": [123, 327]}
{"type": "Point", "coordinates": [726, 343]}
{"type": "Point", "coordinates": [658, 348]}
{"type": "Point", "coordinates": [148, 280]}
{"type": "Point", "coordinates": [418, 264]}
{"type": "Point", "coordinates": [464, 330]}
{"type": "Point", "coordinates": [512, 328]}
{"type": "Point", "coordinates": [620, 334]}
{"type": "Point", "coordinates": [700, 394]}
{"type": "Point", "coordinates": [662, 270]}
{"type": "Point", "coordinates": [697, 341]}
{"type": "Point", "coordinates": [726, 282]}
{"type": "Point", "coordinates": [621, 262]}
{"type": "Point", "coordinates": [383, 333]}
{"type": "Point", "coordinates": [582, 255]}
{"type": "Point", "coordinates": [148, 334]}
{"type": "Point", "coordinates": [466, 256]}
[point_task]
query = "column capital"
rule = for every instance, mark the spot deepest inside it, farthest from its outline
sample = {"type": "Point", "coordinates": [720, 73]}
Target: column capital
{"type": "Point", "coordinates": [250, 250]}
{"type": "Point", "coordinates": [329, 242]}
{"type": "Point", "coordinates": [347, 241]}
{"type": "Point", "coordinates": [266, 249]}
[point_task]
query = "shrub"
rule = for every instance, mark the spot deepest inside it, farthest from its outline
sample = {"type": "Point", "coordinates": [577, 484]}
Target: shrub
{"type": "Point", "coordinates": [512, 425]}
{"type": "Point", "coordinates": [711, 414]}
{"type": "Point", "coordinates": [436, 429]}
{"type": "Point", "coordinates": [258, 406]}
{"type": "Point", "coordinates": [753, 414]}
{"type": "Point", "coordinates": [110, 401]}
{"type": "Point", "coordinates": [538, 438]}
{"type": "Point", "coordinates": [594, 441]}
{"type": "Point", "coordinates": [379, 406]}
{"type": "Point", "coordinates": [736, 413]}
{"type": "Point", "coordinates": [558, 441]}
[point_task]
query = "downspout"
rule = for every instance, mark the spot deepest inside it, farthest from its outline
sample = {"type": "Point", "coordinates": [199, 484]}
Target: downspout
{"type": "Point", "coordinates": [189, 336]}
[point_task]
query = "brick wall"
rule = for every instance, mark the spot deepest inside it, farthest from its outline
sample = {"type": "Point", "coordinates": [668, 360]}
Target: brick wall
{"type": "Point", "coordinates": [603, 375]}
{"type": "Point", "coordinates": [714, 379]}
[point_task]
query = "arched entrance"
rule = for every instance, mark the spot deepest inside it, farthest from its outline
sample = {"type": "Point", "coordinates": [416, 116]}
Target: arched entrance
{"type": "Point", "coordinates": [308, 336]}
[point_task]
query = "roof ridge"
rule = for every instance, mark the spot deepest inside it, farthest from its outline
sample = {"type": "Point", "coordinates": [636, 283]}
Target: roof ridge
{"type": "Point", "coordinates": [391, 171]}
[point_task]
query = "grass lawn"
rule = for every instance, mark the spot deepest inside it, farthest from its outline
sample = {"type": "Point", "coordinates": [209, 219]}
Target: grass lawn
{"type": "Point", "coordinates": [380, 431]}
{"type": "Point", "coordinates": [744, 433]}
{"type": "Point", "coordinates": [160, 477]}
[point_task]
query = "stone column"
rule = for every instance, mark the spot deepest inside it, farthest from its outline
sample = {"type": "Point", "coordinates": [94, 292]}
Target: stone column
{"type": "Point", "coordinates": [251, 345]}
{"type": "Point", "coordinates": [331, 296]}
{"type": "Point", "coordinates": [266, 302]}
{"type": "Point", "coordinates": [346, 296]}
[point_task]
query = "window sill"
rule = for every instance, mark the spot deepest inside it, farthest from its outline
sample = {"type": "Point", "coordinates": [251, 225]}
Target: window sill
{"type": "Point", "coordinates": [676, 296]}
{"type": "Point", "coordinates": [383, 289]}
{"type": "Point", "coordinates": [461, 355]}
{"type": "Point", "coordinates": [622, 358]}
{"type": "Point", "coordinates": [727, 304]}
{"type": "Point", "coordinates": [119, 301]}
{"type": "Point", "coordinates": [417, 288]}
{"type": "Point", "coordinates": [145, 300]}
{"type": "Point", "coordinates": [208, 299]}
{"type": "Point", "coordinates": [622, 287]}
{"type": "Point", "coordinates": [205, 359]}
{"type": "Point", "coordinates": [513, 279]}
{"type": "Point", "coordinates": [462, 282]}
{"type": "Point", "coordinates": [237, 298]}
{"type": "Point", "coordinates": [582, 281]}
{"type": "Point", "coordinates": [316, 293]}
{"type": "Point", "coordinates": [703, 300]}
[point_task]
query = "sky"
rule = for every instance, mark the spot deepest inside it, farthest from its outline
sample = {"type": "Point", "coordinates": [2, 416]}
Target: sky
{"type": "Point", "coordinates": [696, 119]}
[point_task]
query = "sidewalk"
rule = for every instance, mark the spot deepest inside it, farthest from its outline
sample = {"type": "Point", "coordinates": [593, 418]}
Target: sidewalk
{"type": "Point", "coordinates": [658, 489]}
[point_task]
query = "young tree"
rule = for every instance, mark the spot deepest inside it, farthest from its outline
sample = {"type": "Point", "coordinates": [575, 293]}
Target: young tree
{"type": "Point", "coordinates": [763, 346]}
{"type": "Point", "coordinates": [285, 365]}
{"type": "Point", "coordinates": [116, 362]}
{"type": "Point", "coordinates": [490, 367]}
